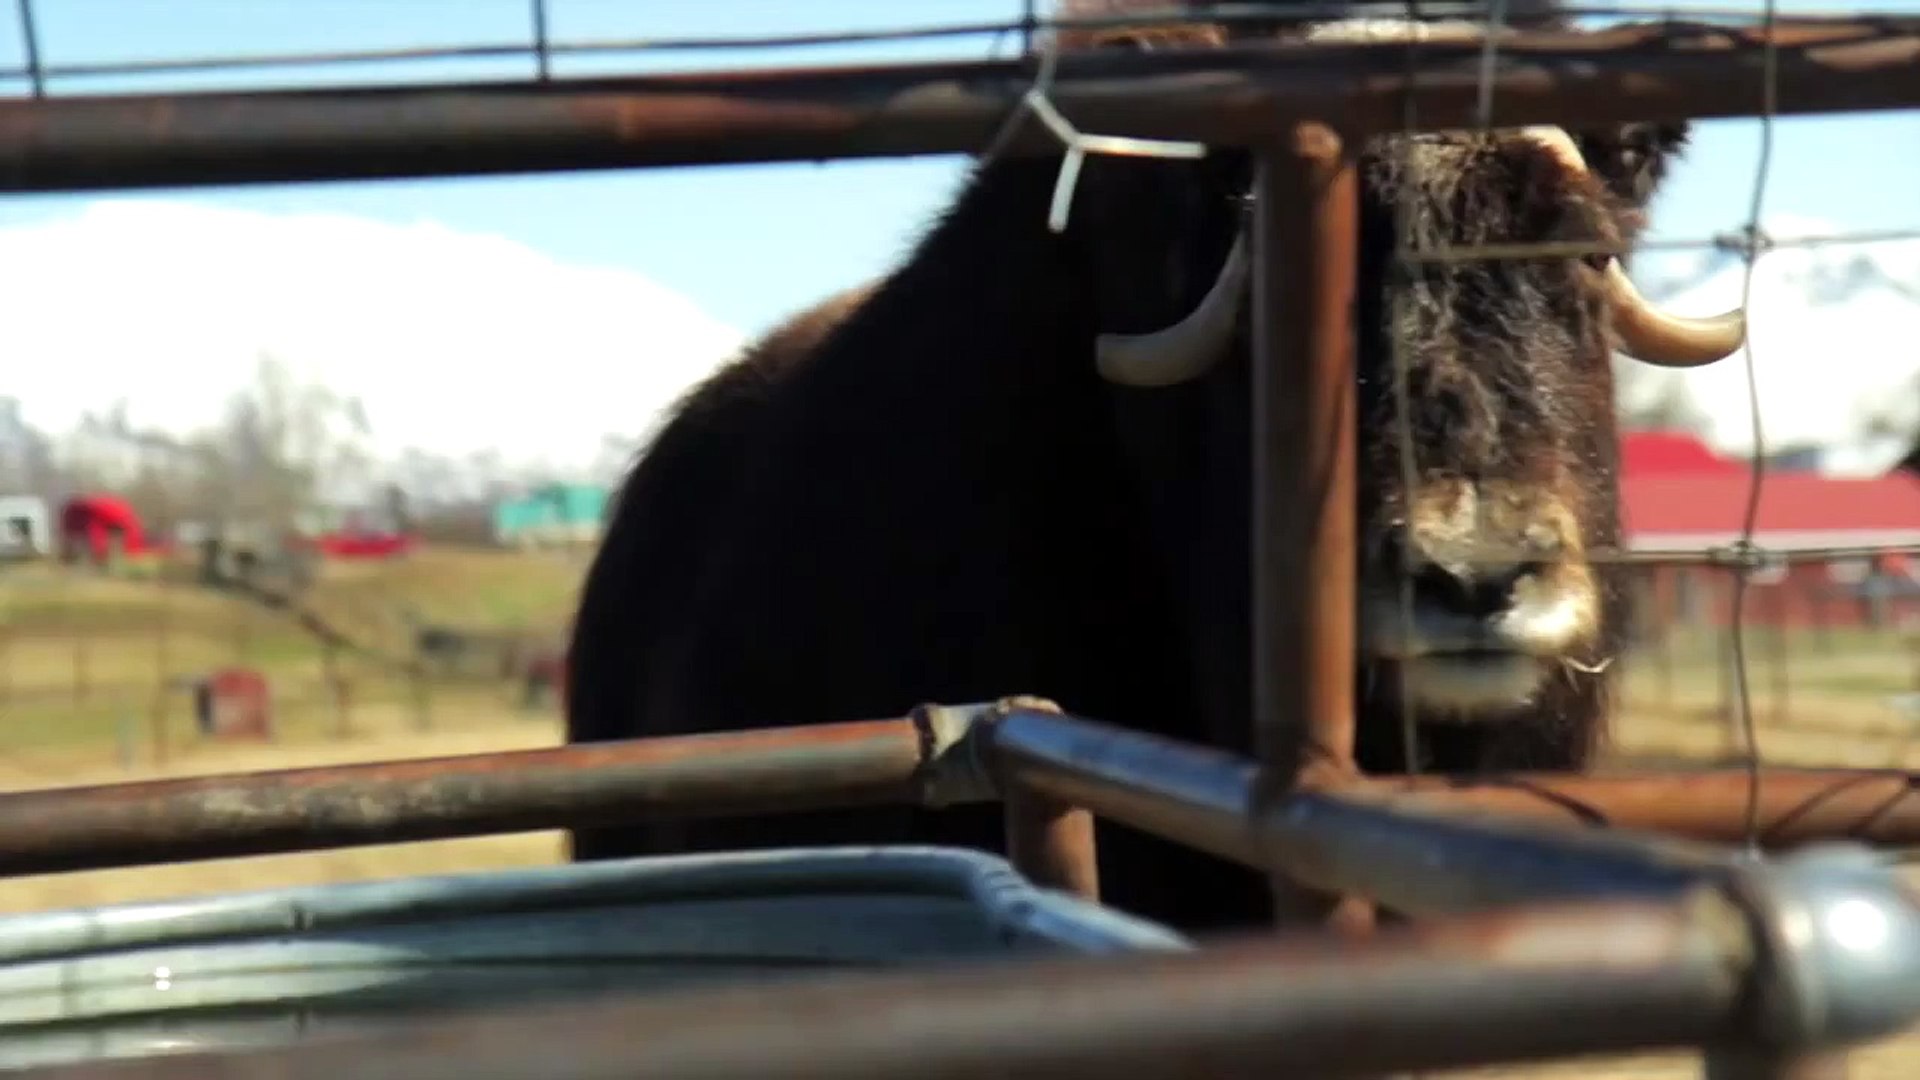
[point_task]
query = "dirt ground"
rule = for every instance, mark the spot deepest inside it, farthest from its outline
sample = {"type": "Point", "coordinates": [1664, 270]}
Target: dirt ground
{"type": "Point", "coordinates": [1846, 734]}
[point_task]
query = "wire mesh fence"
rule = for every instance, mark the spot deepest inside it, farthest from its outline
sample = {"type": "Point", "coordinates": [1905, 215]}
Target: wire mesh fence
{"type": "Point", "coordinates": [1737, 561]}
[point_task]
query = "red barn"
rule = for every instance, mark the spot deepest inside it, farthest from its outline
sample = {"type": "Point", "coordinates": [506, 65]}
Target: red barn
{"type": "Point", "coordinates": [1676, 498]}
{"type": "Point", "coordinates": [1669, 453]}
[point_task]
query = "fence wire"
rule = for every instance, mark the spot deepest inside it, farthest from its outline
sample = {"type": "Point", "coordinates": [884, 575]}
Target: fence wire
{"type": "Point", "coordinates": [541, 52]}
{"type": "Point", "coordinates": [1741, 557]}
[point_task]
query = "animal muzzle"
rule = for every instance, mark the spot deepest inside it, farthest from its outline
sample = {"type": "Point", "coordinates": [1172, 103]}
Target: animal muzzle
{"type": "Point", "coordinates": [1476, 612]}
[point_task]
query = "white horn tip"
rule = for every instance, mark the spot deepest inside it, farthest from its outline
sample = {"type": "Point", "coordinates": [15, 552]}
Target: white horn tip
{"type": "Point", "coordinates": [1688, 342]}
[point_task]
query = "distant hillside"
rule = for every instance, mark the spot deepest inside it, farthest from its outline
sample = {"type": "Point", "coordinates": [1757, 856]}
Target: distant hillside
{"type": "Point", "coordinates": [367, 602]}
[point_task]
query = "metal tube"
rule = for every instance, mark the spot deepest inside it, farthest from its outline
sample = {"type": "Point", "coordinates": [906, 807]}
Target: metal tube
{"type": "Point", "coordinates": [1052, 843]}
{"type": "Point", "coordinates": [1307, 226]}
{"type": "Point", "coordinates": [1306, 230]}
{"type": "Point", "coordinates": [83, 828]}
{"type": "Point", "coordinates": [1664, 71]}
{"type": "Point", "coordinates": [1878, 806]}
{"type": "Point", "coordinates": [1428, 861]}
{"type": "Point", "coordinates": [1190, 794]}
{"type": "Point", "coordinates": [1421, 859]}
{"type": "Point", "coordinates": [1489, 989]}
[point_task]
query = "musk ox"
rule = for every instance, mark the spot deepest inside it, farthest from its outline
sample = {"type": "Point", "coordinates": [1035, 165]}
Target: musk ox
{"type": "Point", "coordinates": [1019, 464]}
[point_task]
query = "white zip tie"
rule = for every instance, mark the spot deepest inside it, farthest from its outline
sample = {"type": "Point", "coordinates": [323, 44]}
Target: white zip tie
{"type": "Point", "coordinates": [1079, 145]}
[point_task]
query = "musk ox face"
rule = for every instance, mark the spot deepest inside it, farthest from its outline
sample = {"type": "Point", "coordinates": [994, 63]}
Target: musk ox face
{"type": "Point", "coordinates": [1493, 373]}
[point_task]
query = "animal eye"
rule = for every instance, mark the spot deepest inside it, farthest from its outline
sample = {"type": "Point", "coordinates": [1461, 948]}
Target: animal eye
{"type": "Point", "coordinates": [1598, 259]}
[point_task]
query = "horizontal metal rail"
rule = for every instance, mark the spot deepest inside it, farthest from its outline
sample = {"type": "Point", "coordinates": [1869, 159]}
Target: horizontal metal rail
{"type": "Point", "coordinates": [1484, 989]}
{"type": "Point", "coordinates": [1236, 96]}
{"type": "Point", "coordinates": [1815, 953]}
{"type": "Point", "coordinates": [1796, 806]}
{"type": "Point", "coordinates": [1660, 944]}
{"type": "Point", "coordinates": [1427, 859]}
{"type": "Point", "coordinates": [764, 771]}
{"type": "Point", "coordinates": [1187, 793]}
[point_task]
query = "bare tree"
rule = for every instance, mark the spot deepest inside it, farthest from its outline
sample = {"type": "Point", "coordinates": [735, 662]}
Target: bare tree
{"type": "Point", "coordinates": [283, 447]}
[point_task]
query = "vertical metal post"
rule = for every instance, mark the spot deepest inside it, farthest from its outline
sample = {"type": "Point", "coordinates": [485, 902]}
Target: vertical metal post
{"type": "Point", "coordinates": [1306, 236]}
{"type": "Point", "coordinates": [1051, 843]}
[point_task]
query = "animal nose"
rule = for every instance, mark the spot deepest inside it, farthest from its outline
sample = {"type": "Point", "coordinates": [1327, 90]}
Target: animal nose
{"type": "Point", "coordinates": [1477, 590]}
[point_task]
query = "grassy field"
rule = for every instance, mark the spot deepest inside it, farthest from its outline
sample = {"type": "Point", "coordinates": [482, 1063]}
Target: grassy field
{"type": "Point", "coordinates": [113, 722]}
{"type": "Point", "coordinates": [90, 692]}
{"type": "Point", "coordinates": [95, 668]}
{"type": "Point", "coordinates": [1820, 700]}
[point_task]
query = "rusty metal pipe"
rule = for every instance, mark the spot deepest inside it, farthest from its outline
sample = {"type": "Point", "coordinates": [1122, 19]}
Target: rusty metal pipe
{"type": "Point", "coordinates": [1187, 793]}
{"type": "Point", "coordinates": [1190, 794]}
{"type": "Point", "coordinates": [1489, 989]}
{"type": "Point", "coordinates": [1877, 806]}
{"type": "Point", "coordinates": [1428, 861]}
{"type": "Point", "coordinates": [1664, 71]}
{"type": "Point", "coordinates": [1052, 843]}
{"type": "Point", "coordinates": [160, 821]}
{"type": "Point", "coordinates": [1306, 224]}
{"type": "Point", "coordinates": [1420, 859]}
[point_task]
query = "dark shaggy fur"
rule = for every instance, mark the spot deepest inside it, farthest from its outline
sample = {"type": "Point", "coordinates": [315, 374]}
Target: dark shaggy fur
{"type": "Point", "coordinates": [926, 493]}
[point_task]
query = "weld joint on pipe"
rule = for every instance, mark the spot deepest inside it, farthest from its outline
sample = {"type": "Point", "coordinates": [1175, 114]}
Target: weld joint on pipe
{"type": "Point", "coordinates": [956, 760]}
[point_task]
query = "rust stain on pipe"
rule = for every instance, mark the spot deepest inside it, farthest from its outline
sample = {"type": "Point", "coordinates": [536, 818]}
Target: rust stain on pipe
{"type": "Point", "coordinates": [1878, 806]}
{"type": "Point", "coordinates": [1051, 843]}
{"type": "Point", "coordinates": [53, 830]}
{"type": "Point", "coordinates": [1239, 96]}
{"type": "Point", "coordinates": [1187, 793]}
{"type": "Point", "coordinates": [1204, 798]}
{"type": "Point", "coordinates": [1306, 226]}
{"type": "Point", "coordinates": [1417, 859]}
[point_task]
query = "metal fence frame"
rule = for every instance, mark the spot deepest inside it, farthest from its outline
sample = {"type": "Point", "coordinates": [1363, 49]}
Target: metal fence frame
{"type": "Point", "coordinates": [1754, 961]}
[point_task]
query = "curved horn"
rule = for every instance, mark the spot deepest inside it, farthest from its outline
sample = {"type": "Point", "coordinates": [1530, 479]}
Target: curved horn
{"type": "Point", "coordinates": [1647, 332]}
{"type": "Point", "coordinates": [1655, 336]}
{"type": "Point", "coordinates": [1189, 348]}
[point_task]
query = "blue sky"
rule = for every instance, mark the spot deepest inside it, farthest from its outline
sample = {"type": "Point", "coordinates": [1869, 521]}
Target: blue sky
{"type": "Point", "coordinates": [751, 243]}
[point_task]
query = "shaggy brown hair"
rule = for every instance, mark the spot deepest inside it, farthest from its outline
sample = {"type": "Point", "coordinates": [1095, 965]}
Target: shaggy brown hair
{"type": "Point", "coordinates": [923, 491]}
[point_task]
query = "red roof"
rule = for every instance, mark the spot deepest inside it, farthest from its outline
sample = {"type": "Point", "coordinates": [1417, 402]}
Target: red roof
{"type": "Point", "coordinates": [1796, 509]}
{"type": "Point", "coordinates": [1645, 453]}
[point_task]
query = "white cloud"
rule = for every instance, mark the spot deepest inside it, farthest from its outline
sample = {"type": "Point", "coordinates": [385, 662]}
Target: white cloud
{"type": "Point", "coordinates": [1832, 331]}
{"type": "Point", "coordinates": [456, 342]}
